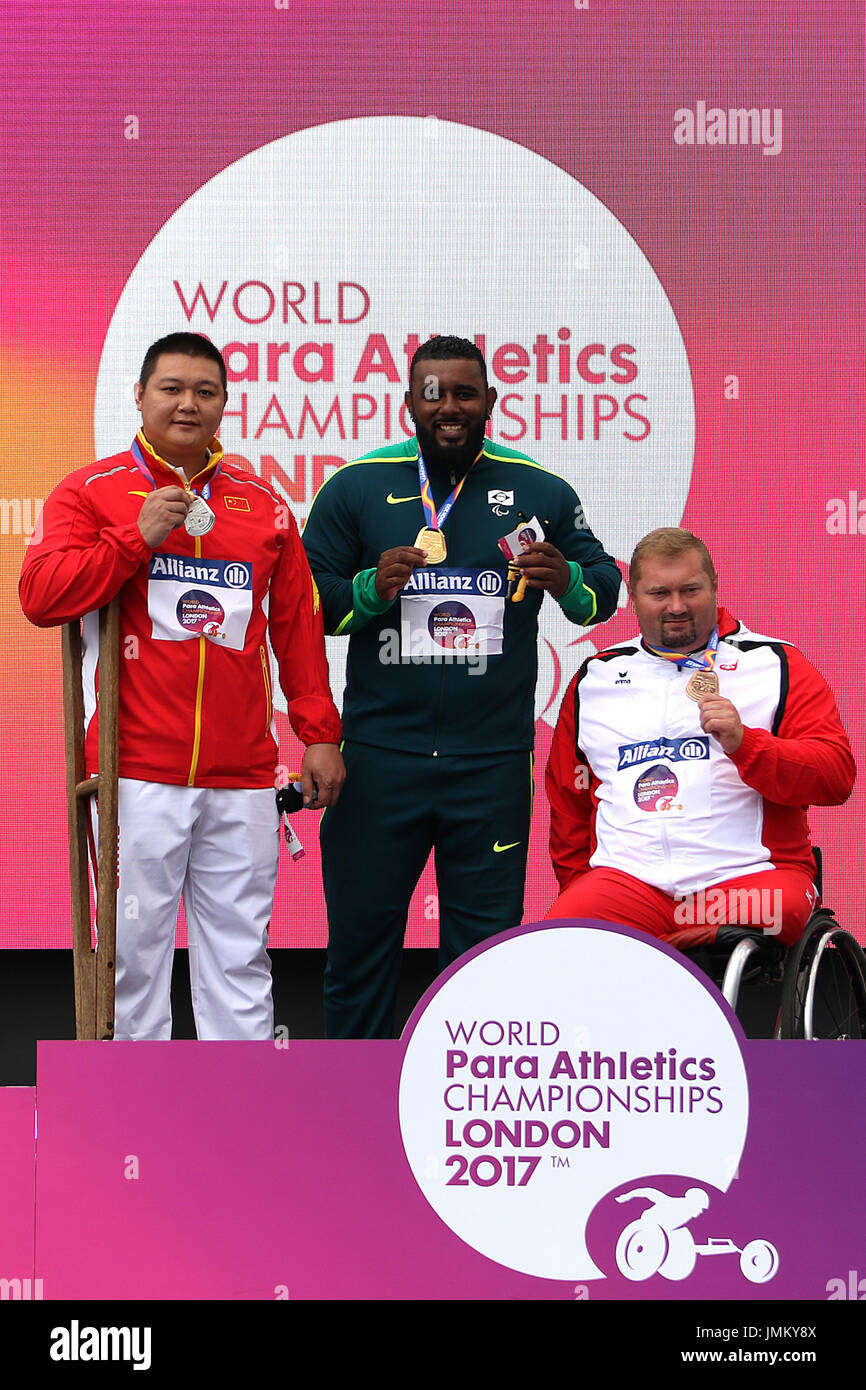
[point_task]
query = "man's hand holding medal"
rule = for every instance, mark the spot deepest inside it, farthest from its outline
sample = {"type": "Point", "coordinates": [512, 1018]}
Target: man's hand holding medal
{"type": "Point", "coordinates": [163, 510]}
{"type": "Point", "coordinates": [169, 507]}
{"type": "Point", "coordinates": [394, 568]}
{"type": "Point", "coordinates": [721, 719]}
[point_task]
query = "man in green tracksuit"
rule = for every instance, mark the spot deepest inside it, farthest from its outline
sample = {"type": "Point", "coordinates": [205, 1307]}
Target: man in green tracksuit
{"type": "Point", "coordinates": [438, 713]}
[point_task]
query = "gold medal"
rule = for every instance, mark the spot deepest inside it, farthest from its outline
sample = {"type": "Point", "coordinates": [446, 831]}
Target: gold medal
{"type": "Point", "coordinates": [702, 683]}
{"type": "Point", "coordinates": [432, 543]}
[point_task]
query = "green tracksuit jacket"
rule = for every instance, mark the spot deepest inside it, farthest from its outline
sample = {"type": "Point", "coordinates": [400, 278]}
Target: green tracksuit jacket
{"type": "Point", "coordinates": [396, 698]}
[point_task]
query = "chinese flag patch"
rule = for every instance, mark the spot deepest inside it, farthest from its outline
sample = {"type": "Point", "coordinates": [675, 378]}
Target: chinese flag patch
{"type": "Point", "coordinates": [237, 504]}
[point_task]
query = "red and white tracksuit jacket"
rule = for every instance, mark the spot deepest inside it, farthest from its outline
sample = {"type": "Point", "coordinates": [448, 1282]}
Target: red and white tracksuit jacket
{"type": "Point", "coordinates": [635, 784]}
{"type": "Point", "coordinates": [196, 705]}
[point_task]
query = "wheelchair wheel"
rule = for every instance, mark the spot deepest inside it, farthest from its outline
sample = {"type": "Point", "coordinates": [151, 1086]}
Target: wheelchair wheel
{"type": "Point", "coordinates": [824, 992]}
{"type": "Point", "coordinates": [641, 1250]}
{"type": "Point", "coordinates": [681, 1257]}
{"type": "Point", "coordinates": [759, 1261]}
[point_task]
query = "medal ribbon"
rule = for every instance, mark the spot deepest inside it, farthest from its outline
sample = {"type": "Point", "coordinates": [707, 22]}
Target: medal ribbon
{"type": "Point", "coordinates": [141, 444]}
{"type": "Point", "coordinates": [693, 662]}
{"type": "Point", "coordinates": [436, 520]}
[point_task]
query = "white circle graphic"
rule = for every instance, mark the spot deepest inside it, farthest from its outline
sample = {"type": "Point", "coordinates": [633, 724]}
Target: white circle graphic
{"type": "Point", "coordinates": [314, 262]}
{"type": "Point", "coordinates": [554, 1066]}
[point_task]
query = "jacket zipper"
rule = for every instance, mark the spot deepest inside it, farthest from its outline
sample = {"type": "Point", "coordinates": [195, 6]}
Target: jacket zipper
{"type": "Point", "coordinates": [202, 645]}
{"type": "Point", "coordinates": [269, 705]}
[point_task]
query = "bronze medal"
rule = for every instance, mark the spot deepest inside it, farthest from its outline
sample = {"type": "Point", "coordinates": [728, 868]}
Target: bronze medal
{"type": "Point", "coordinates": [432, 543]}
{"type": "Point", "coordinates": [702, 683]}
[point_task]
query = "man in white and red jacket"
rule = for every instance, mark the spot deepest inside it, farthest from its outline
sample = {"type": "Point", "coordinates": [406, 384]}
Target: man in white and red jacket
{"type": "Point", "coordinates": [209, 567]}
{"type": "Point", "coordinates": [683, 762]}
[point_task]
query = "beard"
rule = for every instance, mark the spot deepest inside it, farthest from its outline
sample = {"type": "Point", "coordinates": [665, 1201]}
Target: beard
{"type": "Point", "coordinates": [679, 639]}
{"type": "Point", "coordinates": [448, 458]}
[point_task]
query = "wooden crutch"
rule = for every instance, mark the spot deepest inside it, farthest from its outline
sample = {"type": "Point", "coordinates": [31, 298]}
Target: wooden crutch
{"type": "Point", "coordinates": [94, 969]}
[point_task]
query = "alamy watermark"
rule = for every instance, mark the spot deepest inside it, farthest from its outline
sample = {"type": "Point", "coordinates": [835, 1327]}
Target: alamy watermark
{"type": "Point", "coordinates": [412, 652]}
{"type": "Point", "coordinates": [21, 516]}
{"type": "Point", "coordinates": [734, 125]}
{"type": "Point", "coordinates": [77, 1343]}
{"type": "Point", "coordinates": [23, 1290]}
{"type": "Point", "coordinates": [846, 516]}
{"type": "Point", "coordinates": [852, 1288]}
{"type": "Point", "coordinates": [742, 907]}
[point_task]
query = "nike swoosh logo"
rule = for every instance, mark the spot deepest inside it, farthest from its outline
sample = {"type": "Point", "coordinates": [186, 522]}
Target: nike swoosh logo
{"type": "Point", "coordinates": [498, 848]}
{"type": "Point", "coordinates": [394, 500]}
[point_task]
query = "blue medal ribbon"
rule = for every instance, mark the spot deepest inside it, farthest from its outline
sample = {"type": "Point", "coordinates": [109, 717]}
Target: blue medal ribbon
{"type": "Point", "coordinates": [138, 454]}
{"type": "Point", "coordinates": [692, 662]}
{"type": "Point", "coordinates": [436, 520]}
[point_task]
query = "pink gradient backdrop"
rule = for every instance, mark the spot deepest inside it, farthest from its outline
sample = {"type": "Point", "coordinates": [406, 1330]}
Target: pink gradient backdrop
{"type": "Point", "coordinates": [760, 258]}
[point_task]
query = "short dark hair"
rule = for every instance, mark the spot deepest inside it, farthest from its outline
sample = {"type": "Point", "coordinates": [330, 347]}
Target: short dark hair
{"type": "Point", "coordinates": [190, 345]}
{"type": "Point", "coordinates": [444, 346]}
{"type": "Point", "coordinates": [669, 543]}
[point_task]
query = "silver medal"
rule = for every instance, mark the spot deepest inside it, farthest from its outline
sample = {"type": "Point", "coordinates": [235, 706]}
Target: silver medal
{"type": "Point", "coordinates": [199, 518]}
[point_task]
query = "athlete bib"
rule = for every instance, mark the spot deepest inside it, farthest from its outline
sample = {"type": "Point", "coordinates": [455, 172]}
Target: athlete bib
{"type": "Point", "coordinates": [199, 598]}
{"type": "Point", "coordinates": [452, 612]}
{"type": "Point", "coordinates": [663, 777]}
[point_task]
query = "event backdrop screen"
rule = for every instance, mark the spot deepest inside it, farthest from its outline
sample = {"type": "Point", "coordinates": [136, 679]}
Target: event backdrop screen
{"type": "Point", "coordinates": [644, 214]}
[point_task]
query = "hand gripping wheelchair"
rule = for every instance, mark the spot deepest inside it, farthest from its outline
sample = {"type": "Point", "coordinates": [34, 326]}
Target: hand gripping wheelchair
{"type": "Point", "coordinates": [818, 984]}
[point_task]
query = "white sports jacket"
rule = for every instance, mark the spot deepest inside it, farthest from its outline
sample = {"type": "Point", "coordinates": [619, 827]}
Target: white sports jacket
{"type": "Point", "coordinates": [635, 784]}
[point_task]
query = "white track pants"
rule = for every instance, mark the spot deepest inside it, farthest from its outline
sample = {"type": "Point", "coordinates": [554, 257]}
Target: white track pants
{"type": "Point", "coordinates": [218, 848]}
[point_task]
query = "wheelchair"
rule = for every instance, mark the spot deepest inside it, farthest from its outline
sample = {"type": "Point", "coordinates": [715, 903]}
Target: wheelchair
{"type": "Point", "coordinates": [818, 985]}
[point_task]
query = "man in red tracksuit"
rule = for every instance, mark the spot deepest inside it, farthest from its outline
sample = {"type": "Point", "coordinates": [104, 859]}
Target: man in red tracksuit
{"type": "Point", "coordinates": [683, 762]}
{"type": "Point", "coordinates": [210, 571]}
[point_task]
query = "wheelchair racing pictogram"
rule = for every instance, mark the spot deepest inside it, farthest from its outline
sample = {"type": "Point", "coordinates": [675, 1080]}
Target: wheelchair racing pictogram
{"type": "Point", "coordinates": [657, 1241]}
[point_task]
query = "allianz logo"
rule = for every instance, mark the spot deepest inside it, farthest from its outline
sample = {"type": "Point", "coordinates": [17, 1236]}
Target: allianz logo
{"type": "Point", "coordinates": [675, 750]}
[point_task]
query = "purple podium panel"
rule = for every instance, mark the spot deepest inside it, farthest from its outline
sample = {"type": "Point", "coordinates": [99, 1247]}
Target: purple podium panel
{"type": "Point", "coordinates": [17, 1192]}
{"type": "Point", "coordinates": [238, 1171]}
{"type": "Point", "coordinates": [535, 1134]}
{"type": "Point", "coordinates": [243, 1171]}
